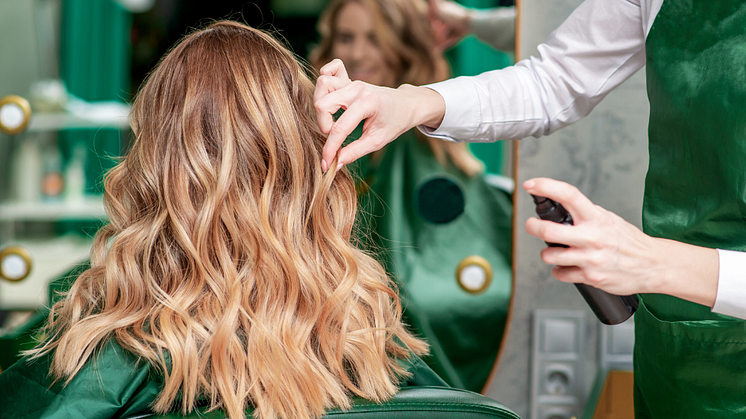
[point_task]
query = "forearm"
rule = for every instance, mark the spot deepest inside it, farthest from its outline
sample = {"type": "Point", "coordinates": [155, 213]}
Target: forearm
{"type": "Point", "coordinates": [684, 271]}
{"type": "Point", "coordinates": [712, 277]}
{"type": "Point", "coordinates": [428, 107]}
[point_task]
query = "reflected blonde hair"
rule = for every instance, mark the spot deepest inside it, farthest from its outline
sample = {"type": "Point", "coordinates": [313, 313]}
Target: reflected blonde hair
{"type": "Point", "coordinates": [229, 264]}
{"type": "Point", "coordinates": [405, 36]}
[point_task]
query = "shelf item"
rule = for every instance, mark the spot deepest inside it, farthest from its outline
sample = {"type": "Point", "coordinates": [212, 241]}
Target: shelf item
{"type": "Point", "coordinates": [82, 114]}
{"type": "Point", "coordinates": [15, 263]}
{"type": "Point", "coordinates": [16, 116]}
{"type": "Point", "coordinates": [91, 207]}
{"type": "Point", "coordinates": [15, 112]}
{"type": "Point", "coordinates": [51, 258]}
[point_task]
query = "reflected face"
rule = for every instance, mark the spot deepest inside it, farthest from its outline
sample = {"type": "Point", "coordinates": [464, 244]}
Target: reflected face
{"type": "Point", "coordinates": [357, 45]}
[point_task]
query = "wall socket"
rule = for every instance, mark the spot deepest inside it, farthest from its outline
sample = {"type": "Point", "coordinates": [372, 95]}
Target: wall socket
{"type": "Point", "coordinates": [557, 364]}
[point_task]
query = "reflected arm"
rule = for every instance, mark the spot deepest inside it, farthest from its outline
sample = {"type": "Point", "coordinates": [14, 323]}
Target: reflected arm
{"type": "Point", "coordinates": [598, 47]}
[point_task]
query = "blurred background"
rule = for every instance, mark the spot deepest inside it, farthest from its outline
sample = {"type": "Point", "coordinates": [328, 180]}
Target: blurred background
{"type": "Point", "coordinates": [79, 63]}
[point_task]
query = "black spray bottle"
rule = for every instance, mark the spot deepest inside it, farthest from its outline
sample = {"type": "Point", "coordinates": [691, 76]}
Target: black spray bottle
{"type": "Point", "coordinates": [609, 308]}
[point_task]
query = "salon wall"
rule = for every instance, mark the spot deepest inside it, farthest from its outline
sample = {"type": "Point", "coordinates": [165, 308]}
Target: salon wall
{"type": "Point", "coordinates": [605, 156]}
{"type": "Point", "coordinates": [26, 24]}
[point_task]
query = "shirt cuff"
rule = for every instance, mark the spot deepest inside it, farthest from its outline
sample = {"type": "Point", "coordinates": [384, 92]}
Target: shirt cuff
{"type": "Point", "coordinates": [731, 294]}
{"type": "Point", "coordinates": [462, 116]}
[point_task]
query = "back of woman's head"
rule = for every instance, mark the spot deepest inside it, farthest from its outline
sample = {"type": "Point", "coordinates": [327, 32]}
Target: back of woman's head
{"type": "Point", "coordinates": [227, 261]}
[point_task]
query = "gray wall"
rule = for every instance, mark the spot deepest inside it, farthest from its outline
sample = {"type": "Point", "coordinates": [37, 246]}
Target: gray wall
{"type": "Point", "coordinates": [605, 156]}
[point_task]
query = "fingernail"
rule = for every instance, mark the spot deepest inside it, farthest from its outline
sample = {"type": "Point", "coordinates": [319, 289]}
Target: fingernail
{"type": "Point", "coordinates": [529, 184]}
{"type": "Point", "coordinates": [323, 165]}
{"type": "Point", "coordinates": [339, 166]}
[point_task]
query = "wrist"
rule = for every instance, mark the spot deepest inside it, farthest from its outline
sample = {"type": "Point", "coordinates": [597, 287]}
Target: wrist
{"type": "Point", "coordinates": [466, 21]}
{"type": "Point", "coordinates": [685, 271]}
{"type": "Point", "coordinates": [428, 106]}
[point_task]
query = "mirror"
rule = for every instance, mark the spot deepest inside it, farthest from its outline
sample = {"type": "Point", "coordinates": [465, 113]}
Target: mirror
{"type": "Point", "coordinates": [439, 221]}
{"type": "Point", "coordinates": [449, 239]}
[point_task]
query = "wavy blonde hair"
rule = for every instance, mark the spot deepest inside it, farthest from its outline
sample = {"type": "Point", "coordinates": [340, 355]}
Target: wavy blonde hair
{"type": "Point", "coordinates": [405, 36]}
{"type": "Point", "coordinates": [227, 262]}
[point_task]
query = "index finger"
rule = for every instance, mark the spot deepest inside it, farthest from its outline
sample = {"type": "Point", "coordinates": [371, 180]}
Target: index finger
{"type": "Point", "coordinates": [355, 112]}
{"type": "Point", "coordinates": [372, 139]}
{"type": "Point", "coordinates": [325, 102]}
{"type": "Point", "coordinates": [580, 207]}
{"type": "Point", "coordinates": [334, 68]}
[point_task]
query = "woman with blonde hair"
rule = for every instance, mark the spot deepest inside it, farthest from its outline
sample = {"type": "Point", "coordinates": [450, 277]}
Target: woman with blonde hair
{"type": "Point", "coordinates": [432, 214]}
{"type": "Point", "coordinates": [226, 276]}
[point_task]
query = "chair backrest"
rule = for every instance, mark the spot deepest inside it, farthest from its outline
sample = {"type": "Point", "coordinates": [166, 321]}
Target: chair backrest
{"type": "Point", "coordinates": [409, 403]}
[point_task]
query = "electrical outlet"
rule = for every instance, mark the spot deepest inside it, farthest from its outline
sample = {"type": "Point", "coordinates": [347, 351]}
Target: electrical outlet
{"type": "Point", "coordinates": [556, 368]}
{"type": "Point", "coordinates": [557, 379]}
{"type": "Point", "coordinates": [556, 413]}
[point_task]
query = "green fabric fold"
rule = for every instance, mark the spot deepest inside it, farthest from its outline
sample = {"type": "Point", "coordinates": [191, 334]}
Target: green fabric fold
{"type": "Point", "coordinates": [464, 329]}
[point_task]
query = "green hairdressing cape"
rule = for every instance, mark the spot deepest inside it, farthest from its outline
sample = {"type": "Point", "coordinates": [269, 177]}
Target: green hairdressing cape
{"type": "Point", "coordinates": [113, 384]}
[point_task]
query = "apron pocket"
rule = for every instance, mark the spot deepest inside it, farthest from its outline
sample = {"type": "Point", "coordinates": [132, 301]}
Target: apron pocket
{"type": "Point", "coordinates": [689, 369]}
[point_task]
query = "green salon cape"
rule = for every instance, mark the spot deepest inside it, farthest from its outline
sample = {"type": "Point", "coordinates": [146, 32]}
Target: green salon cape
{"type": "Point", "coordinates": [424, 221]}
{"type": "Point", "coordinates": [113, 384]}
{"type": "Point", "coordinates": [688, 361]}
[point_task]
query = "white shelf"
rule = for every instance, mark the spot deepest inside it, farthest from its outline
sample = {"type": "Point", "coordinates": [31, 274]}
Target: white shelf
{"type": "Point", "coordinates": [50, 259]}
{"type": "Point", "coordinates": [57, 121]}
{"type": "Point", "coordinates": [90, 208]}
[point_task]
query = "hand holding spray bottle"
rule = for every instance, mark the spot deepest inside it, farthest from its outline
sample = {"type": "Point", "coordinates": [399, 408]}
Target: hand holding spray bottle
{"type": "Point", "coordinates": [609, 308]}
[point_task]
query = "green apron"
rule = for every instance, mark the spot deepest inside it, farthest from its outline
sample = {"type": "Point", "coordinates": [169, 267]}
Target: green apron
{"type": "Point", "coordinates": [413, 230]}
{"type": "Point", "coordinates": [690, 362]}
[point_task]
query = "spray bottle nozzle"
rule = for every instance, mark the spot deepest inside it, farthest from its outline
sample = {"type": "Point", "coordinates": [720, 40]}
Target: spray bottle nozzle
{"type": "Point", "coordinates": [550, 210]}
{"type": "Point", "coordinates": [543, 205]}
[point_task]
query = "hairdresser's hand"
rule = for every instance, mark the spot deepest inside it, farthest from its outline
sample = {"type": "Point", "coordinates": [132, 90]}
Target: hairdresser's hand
{"type": "Point", "coordinates": [611, 254]}
{"type": "Point", "coordinates": [450, 22]}
{"type": "Point", "coordinates": [388, 113]}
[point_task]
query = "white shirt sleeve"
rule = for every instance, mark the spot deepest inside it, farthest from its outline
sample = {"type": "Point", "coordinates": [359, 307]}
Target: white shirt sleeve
{"type": "Point", "coordinates": [599, 46]}
{"type": "Point", "coordinates": [495, 26]}
{"type": "Point", "coordinates": [731, 295]}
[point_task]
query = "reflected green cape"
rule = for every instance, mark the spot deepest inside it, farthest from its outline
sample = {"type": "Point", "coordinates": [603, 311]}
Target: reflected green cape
{"type": "Point", "coordinates": [465, 329]}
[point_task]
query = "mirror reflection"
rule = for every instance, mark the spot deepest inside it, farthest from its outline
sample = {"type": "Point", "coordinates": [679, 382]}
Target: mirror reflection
{"type": "Point", "coordinates": [436, 214]}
